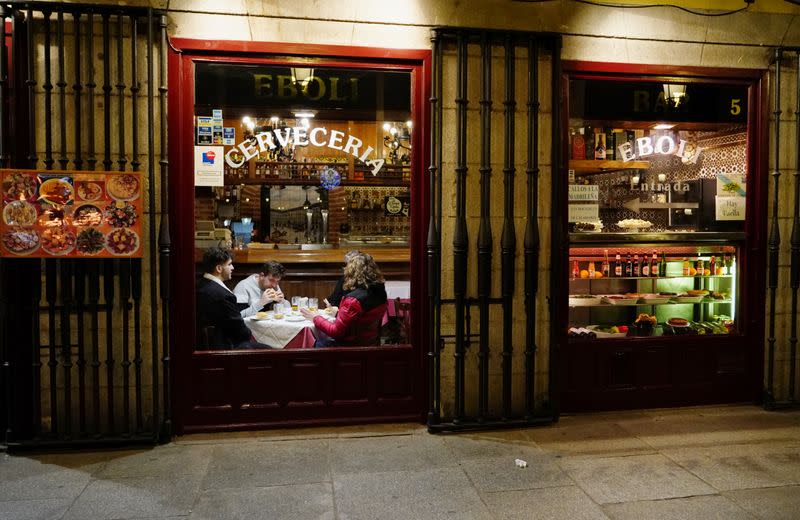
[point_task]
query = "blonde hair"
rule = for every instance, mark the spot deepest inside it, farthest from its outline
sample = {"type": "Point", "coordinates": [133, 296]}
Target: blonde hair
{"type": "Point", "coordinates": [361, 272]}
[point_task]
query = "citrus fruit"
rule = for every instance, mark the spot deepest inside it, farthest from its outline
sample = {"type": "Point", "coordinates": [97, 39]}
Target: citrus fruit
{"type": "Point", "coordinates": [707, 272]}
{"type": "Point", "coordinates": [584, 273]}
{"type": "Point", "coordinates": [598, 274]}
{"type": "Point", "coordinates": [692, 271]}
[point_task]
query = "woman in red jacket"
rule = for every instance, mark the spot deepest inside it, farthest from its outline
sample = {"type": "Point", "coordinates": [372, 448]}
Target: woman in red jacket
{"type": "Point", "coordinates": [358, 322]}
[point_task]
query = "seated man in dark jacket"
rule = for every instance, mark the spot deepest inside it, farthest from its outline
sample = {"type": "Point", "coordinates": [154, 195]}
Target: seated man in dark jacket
{"type": "Point", "coordinates": [216, 304]}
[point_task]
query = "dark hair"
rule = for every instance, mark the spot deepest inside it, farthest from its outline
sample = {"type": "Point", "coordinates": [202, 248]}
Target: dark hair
{"type": "Point", "coordinates": [214, 256]}
{"type": "Point", "coordinates": [274, 268]}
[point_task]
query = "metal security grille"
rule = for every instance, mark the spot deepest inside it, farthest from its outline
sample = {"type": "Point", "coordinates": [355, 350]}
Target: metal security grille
{"type": "Point", "coordinates": [83, 340]}
{"type": "Point", "coordinates": [470, 374]}
{"type": "Point", "coordinates": [784, 59]}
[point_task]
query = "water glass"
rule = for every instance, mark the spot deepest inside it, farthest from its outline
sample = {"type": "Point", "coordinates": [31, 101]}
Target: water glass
{"type": "Point", "coordinates": [303, 303]}
{"type": "Point", "coordinates": [313, 304]}
{"type": "Point", "coordinates": [295, 302]}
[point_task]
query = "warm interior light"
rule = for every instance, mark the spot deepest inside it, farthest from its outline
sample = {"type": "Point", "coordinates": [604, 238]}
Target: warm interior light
{"type": "Point", "coordinates": [304, 114]}
{"type": "Point", "coordinates": [246, 120]}
{"type": "Point", "coordinates": [274, 119]}
{"type": "Point", "coordinates": [663, 126]}
{"type": "Point", "coordinates": [386, 127]}
{"type": "Point", "coordinates": [302, 75]}
{"type": "Point", "coordinates": [409, 124]}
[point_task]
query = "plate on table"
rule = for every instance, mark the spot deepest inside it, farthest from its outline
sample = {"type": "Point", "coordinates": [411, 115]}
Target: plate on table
{"type": "Point", "coordinates": [295, 318]}
{"type": "Point", "coordinates": [654, 299]}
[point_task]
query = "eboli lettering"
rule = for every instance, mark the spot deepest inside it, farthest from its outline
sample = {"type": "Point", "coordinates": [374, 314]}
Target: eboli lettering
{"type": "Point", "coordinates": [664, 145]}
{"type": "Point", "coordinates": [318, 137]}
{"type": "Point", "coordinates": [286, 88]}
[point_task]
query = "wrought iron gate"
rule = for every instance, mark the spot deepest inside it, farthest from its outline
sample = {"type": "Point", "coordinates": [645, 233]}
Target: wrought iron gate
{"type": "Point", "coordinates": [82, 340]}
{"type": "Point", "coordinates": [783, 58]}
{"type": "Point", "coordinates": [536, 50]}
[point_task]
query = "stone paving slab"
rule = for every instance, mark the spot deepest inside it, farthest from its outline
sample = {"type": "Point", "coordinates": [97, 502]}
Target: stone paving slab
{"type": "Point", "coordinates": [389, 453]}
{"type": "Point", "coordinates": [741, 466]}
{"type": "Point", "coordinates": [556, 503]}
{"type": "Point", "coordinates": [292, 502]}
{"type": "Point", "coordinates": [628, 479]}
{"type": "Point", "coordinates": [128, 498]}
{"type": "Point", "coordinates": [706, 507]}
{"type": "Point", "coordinates": [46, 509]}
{"type": "Point", "coordinates": [260, 464]}
{"type": "Point", "coordinates": [781, 503]}
{"type": "Point", "coordinates": [502, 474]}
{"type": "Point", "coordinates": [408, 495]}
{"type": "Point", "coordinates": [27, 478]}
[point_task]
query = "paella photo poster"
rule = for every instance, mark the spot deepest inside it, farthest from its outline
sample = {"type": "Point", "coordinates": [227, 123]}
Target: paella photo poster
{"type": "Point", "coordinates": [71, 214]}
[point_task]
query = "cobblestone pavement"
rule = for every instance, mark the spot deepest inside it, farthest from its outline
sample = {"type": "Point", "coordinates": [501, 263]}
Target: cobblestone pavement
{"type": "Point", "coordinates": [722, 462]}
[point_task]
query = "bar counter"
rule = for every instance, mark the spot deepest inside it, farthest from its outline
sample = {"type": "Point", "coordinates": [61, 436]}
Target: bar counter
{"type": "Point", "coordinates": [382, 255]}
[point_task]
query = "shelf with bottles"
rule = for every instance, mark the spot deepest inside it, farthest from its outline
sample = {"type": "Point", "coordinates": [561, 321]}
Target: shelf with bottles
{"type": "Point", "coordinates": [308, 173]}
{"type": "Point", "coordinates": [587, 166]}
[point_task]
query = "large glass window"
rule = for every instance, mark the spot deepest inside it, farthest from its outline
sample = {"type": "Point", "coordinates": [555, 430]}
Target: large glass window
{"type": "Point", "coordinates": [296, 166]}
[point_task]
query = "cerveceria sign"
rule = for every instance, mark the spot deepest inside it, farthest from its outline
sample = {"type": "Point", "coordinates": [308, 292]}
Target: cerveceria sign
{"type": "Point", "coordinates": [301, 136]}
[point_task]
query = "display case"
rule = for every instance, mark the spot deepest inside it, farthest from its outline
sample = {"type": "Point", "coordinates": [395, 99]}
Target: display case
{"type": "Point", "coordinates": [650, 290]}
{"type": "Point", "coordinates": [660, 269]}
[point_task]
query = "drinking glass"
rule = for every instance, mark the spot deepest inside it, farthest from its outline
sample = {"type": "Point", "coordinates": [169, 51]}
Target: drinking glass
{"type": "Point", "coordinates": [279, 311]}
{"type": "Point", "coordinates": [313, 304]}
{"type": "Point", "coordinates": [295, 302]}
{"type": "Point", "coordinates": [303, 303]}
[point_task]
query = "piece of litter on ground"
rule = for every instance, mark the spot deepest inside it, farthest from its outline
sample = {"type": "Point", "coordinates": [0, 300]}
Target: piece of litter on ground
{"type": "Point", "coordinates": [520, 463]}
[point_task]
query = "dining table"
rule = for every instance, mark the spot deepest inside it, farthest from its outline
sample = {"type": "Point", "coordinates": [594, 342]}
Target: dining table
{"type": "Point", "coordinates": [292, 331]}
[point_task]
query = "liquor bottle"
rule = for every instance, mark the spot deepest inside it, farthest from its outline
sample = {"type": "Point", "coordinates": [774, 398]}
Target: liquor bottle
{"type": "Point", "coordinates": [618, 266]}
{"type": "Point", "coordinates": [654, 264]}
{"type": "Point", "coordinates": [576, 272]}
{"type": "Point", "coordinates": [579, 145]}
{"type": "Point", "coordinates": [636, 267]}
{"type": "Point", "coordinates": [591, 270]}
{"type": "Point", "coordinates": [600, 147]}
{"type": "Point", "coordinates": [699, 267]}
{"type": "Point", "coordinates": [628, 266]}
{"type": "Point", "coordinates": [685, 267]}
{"type": "Point", "coordinates": [713, 266]}
{"type": "Point", "coordinates": [589, 138]}
{"type": "Point", "coordinates": [606, 266]}
{"type": "Point", "coordinates": [610, 144]}
{"type": "Point", "coordinates": [662, 267]}
{"type": "Point", "coordinates": [645, 269]}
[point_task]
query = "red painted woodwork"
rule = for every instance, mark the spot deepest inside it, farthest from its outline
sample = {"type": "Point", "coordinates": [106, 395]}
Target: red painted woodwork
{"type": "Point", "coordinates": [653, 372]}
{"type": "Point", "coordinates": [256, 389]}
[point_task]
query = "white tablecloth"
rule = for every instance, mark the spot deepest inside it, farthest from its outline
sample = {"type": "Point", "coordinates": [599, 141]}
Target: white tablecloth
{"type": "Point", "coordinates": [277, 333]}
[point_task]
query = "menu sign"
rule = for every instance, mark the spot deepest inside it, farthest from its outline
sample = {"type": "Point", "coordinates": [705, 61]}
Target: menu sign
{"type": "Point", "coordinates": [70, 214]}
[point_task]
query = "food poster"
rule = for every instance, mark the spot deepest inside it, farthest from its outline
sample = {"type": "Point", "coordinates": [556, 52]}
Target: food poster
{"type": "Point", "coordinates": [71, 214]}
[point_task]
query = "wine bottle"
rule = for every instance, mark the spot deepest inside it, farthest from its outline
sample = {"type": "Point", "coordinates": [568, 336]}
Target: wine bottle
{"type": "Point", "coordinates": [618, 266]}
{"type": "Point", "coordinates": [629, 266]}
{"type": "Point", "coordinates": [606, 267]}
{"type": "Point", "coordinates": [636, 266]}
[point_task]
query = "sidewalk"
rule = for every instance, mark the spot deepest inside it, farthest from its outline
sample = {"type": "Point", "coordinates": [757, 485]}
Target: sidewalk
{"type": "Point", "coordinates": [723, 462]}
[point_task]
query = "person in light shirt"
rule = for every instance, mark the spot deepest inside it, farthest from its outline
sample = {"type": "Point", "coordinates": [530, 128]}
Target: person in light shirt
{"type": "Point", "coordinates": [260, 291]}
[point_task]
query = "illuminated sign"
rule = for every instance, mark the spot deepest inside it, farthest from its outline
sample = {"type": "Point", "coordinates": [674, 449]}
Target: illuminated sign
{"type": "Point", "coordinates": [663, 145]}
{"type": "Point", "coordinates": [302, 136]}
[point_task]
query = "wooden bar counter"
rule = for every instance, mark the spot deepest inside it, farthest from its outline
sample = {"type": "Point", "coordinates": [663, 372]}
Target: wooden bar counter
{"type": "Point", "coordinates": [314, 272]}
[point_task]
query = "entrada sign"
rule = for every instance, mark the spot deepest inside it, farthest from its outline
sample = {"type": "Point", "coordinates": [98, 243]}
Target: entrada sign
{"type": "Point", "coordinates": [301, 136]}
{"type": "Point", "coordinates": [664, 145]}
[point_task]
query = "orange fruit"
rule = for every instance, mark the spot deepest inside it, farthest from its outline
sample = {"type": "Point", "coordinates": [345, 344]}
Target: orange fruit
{"type": "Point", "coordinates": [718, 271]}
{"type": "Point", "coordinates": [692, 271]}
{"type": "Point", "coordinates": [707, 272]}
{"type": "Point", "coordinates": [584, 273]}
{"type": "Point", "coordinates": [598, 274]}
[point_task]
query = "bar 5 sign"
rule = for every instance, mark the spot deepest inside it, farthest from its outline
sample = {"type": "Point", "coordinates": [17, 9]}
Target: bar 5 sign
{"type": "Point", "coordinates": [663, 145]}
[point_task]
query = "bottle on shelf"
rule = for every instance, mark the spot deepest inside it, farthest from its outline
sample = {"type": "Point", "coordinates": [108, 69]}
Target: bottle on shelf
{"type": "Point", "coordinates": [644, 270]}
{"type": "Point", "coordinates": [579, 145]}
{"type": "Point", "coordinates": [576, 272]}
{"type": "Point", "coordinates": [654, 264]}
{"type": "Point", "coordinates": [600, 147]}
{"type": "Point", "coordinates": [636, 266]}
{"type": "Point", "coordinates": [618, 266]}
{"type": "Point", "coordinates": [686, 267]}
{"type": "Point", "coordinates": [591, 270]}
{"type": "Point", "coordinates": [662, 266]}
{"type": "Point", "coordinates": [609, 142]}
{"type": "Point", "coordinates": [606, 266]}
{"type": "Point", "coordinates": [699, 266]}
{"type": "Point", "coordinates": [628, 266]}
{"type": "Point", "coordinates": [589, 139]}
{"type": "Point", "coordinates": [712, 265]}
